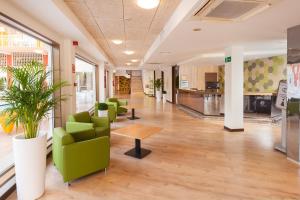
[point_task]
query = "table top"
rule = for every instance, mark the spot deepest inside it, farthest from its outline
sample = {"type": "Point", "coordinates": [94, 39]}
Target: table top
{"type": "Point", "coordinates": [137, 131]}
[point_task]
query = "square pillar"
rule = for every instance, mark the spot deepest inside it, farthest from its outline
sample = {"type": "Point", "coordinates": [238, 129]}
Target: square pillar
{"type": "Point", "coordinates": [68, 74]}
{"type": "Point", "coordinates": [102, 93]}
{"type": "Point", "coordinates": [234, 89]}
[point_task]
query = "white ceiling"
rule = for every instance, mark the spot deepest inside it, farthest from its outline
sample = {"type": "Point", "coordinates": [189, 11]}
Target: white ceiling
{"type": "Point", "coordinates": [107, 20]}
{"type": "Point", "coordinates": [262, 35]}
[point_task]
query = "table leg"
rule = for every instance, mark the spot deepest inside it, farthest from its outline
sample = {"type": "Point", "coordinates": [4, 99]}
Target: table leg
{"type": "Point", "coordinates": [137, 151]}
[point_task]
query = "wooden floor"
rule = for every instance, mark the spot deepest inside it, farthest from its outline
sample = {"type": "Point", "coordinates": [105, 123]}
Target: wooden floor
{"type": "Point", "coordinates": [191, 159]}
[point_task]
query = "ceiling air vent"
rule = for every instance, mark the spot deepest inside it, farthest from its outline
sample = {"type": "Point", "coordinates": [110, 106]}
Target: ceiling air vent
{"type": "Point", "coordinates": [231, 10]}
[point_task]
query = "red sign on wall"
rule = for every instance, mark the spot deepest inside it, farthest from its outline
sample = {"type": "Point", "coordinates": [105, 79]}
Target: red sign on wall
{"type": "Point", "coordinates": [73, 68]}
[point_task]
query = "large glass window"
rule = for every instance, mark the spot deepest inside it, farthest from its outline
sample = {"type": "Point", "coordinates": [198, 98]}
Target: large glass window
{"type": "Point", "coordinates": [86, 85]}
{"type": "Point", "coordinates": [16, 49]}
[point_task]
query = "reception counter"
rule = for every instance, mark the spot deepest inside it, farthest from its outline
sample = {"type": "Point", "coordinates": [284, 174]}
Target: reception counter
{"type": "Point", "coordinates": [210, 103]}
{"type": "Point", "coordinates": [201, 101]}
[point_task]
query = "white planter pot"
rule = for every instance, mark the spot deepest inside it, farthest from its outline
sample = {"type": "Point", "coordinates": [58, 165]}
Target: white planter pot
{"type": "Point", "coordinates": [164, 98]}
{"type": "Point", "coordinates": [103, 113]}
{"type": "Point", "coordinates": [30, 166]}
{"type": "Point", "coordinates": [158, 96]}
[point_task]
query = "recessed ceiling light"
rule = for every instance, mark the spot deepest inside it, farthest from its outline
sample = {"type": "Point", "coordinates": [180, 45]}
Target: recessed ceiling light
{"type": "Point", "coordinates": [117, 42]}
{"type": "Point", "coordinates": [197, 29]}
{"type": "Point", "coordinates": [128, 64]}
{"type": "Point", "coordinates": [165, 52]}
{"type": "Point", "coordinates": [128, 52]}
{"type": "Point", "coordinates": [148, 4]}
{"type": "Point", "coordinates": [134, 60]}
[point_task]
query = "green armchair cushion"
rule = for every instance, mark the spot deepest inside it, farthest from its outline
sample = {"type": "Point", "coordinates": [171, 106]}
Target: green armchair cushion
{"type": "Point", "coordinates": [80, 117]}
{"type": "Point", "coordinates": [83, 123]}
{"type": "Point", "coordinates": [78, 159]}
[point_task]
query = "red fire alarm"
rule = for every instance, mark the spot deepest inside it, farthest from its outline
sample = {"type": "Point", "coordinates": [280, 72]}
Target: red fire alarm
{"type": "Point", "coordinates": [75, 43]}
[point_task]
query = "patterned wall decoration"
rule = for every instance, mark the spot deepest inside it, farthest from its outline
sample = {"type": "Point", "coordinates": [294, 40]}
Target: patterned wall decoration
{"type": "Point", "coordinates": [124, 85]}
{"type": "Point", "coordinates": [3, 60]}
{"type": "Point", "coordinates": [263, 75]}
{"type": "Point", "coordinates": [221, 76]}
{"type": "Point", "coordinates": [21, 58]}
{"type": "Point", "coordinates": [260, 75]}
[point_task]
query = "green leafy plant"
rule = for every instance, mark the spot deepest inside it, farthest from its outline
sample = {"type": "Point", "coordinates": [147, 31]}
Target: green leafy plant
{"type": "Point", "coordinates": [2, 84]}
{"type": "Point", "coordinates": [157, 84]}
{"type": "Point", "coordinates": [30, 97]}
{"type": "Point", "coordinates": [102, 106]}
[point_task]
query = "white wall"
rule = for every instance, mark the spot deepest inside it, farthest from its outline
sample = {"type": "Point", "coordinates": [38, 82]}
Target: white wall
{"type": "Point", "coordinates": [195, 74]}
{"type": "Point", "coordinates": [168, 82]}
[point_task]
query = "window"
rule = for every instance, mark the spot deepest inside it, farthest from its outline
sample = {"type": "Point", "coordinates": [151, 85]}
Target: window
{"type": "Point", "coordinates": [17, 48]}
{"type": "Point", "coordinates": [86, 85]}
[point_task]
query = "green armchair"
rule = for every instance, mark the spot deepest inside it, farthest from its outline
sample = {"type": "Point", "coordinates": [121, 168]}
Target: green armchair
{"type": "Point", "coordinates": [83, 121]}
{"type": "Point", "coordinates": [76, 158]}
{"type": "Point", "coordinates": [112, 114]}
{"type": "Point", "coordinates": [118, 103]}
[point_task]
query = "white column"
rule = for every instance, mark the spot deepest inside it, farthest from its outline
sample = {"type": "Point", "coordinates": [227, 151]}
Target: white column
{"type": "Point", "coordinates": [234, 88]}
{"type": "Point", "coordinates": [67, 60]}
{"type": "Point", "coordinates": [110, 82]}
{"type": "Point", "coordinates": [102, 93]}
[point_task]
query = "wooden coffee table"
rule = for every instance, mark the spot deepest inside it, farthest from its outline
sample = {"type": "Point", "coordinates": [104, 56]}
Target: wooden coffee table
{"type": "Point", "coordinates": [138, 132]}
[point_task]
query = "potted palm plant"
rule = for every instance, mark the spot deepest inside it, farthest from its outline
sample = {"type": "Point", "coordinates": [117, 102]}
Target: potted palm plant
{"type": "Point", "coordinates": [29, 99]}
{"type": "Point", "coordinates": [157, 85]}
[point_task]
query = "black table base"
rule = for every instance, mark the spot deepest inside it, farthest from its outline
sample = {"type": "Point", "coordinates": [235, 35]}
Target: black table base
{"type": "Point", "coordinates": [137, 151]}
{"type": "Point", "coordinates": [133, 117]}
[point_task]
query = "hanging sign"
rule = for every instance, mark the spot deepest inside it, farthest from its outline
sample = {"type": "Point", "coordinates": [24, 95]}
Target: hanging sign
{"type": "Point", "coordinates": [184, 84]}
{"type": "Point", "coordinates": [281, 100]}
{"type": "Point", "coordinates": [73, 68]}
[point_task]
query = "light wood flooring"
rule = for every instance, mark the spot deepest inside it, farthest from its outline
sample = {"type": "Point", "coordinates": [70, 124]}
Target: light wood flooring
{"type": "Point", "coordinates": [191, 159]}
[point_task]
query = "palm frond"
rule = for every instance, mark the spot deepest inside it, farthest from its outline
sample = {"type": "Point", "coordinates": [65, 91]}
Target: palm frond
{"type": "Point", "coordinates": [29, 97]}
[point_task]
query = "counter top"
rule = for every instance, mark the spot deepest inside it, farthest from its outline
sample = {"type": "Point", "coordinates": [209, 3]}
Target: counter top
{"type": "Point", "coordinates": [245, 93]}
{"type": "Point", "coordinates": [198, 91]}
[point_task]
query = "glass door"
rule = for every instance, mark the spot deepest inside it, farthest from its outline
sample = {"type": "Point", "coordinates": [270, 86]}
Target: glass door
{"type": "Point", "coordinates": [85, 85]}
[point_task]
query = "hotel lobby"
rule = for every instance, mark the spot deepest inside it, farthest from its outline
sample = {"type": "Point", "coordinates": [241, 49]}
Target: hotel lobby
{"type": "Point", "coordinates": [150, 99]}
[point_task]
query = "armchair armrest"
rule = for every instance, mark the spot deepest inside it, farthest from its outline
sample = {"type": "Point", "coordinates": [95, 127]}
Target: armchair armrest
{"type": "Point", "coordinates": [123, 102]}
{"type": "Point", "coordinates": [114, 104]}
{"type": "Point", "coordinates": [78, 126]}
{"type": "Point", "coordinates": [85, 157]}
{"type": "Point", "coordinates": [101, 121]}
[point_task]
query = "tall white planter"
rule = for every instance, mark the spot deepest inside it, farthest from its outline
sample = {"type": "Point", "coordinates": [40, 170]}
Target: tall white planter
{"type": "Point", "coordinates": [158, 96]}
{"type": "Point", "coordinates": [30, 166]}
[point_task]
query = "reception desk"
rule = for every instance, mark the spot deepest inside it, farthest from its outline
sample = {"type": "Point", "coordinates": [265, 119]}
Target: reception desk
{"type": "Point", "coordinates": [201, 101]}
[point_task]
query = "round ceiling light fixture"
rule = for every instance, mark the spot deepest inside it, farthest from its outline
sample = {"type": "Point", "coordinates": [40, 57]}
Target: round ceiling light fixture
{"type": "Point", "coordinates": [197, 29]}
{"type": "Point", "coordinates": [117, 42]}
{"type": "Point", "coordinates": [128, 64]}
{"type": "Point", "coordinates": [134, 60]}
{"type": "Point", "coordinates": [148, 4]}
{"type": "Point", "coordinates": [128, 52]}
